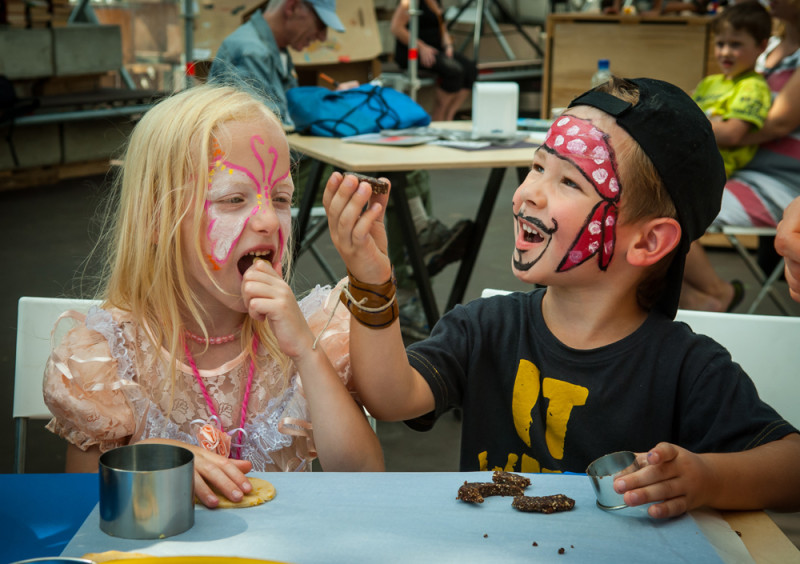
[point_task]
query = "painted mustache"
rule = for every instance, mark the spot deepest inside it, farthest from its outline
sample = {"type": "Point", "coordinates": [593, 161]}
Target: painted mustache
{"type": "Point", "coordinates": [539, 224]}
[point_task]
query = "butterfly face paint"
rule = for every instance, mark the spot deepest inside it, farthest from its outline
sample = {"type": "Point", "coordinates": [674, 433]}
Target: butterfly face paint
{"type": "Point", "coordinates": [235, 194]}
{"type": "Point", "coordinates": [589, 150]}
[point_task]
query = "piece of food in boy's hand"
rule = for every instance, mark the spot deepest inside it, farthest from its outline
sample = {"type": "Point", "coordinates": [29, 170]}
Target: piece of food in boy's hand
{"type": "Point", "coordinates": [262, 491]}
{"type": "Point", "coordinates": [544, 504]}
{"type": "Point", "coordinates": [378, 186]}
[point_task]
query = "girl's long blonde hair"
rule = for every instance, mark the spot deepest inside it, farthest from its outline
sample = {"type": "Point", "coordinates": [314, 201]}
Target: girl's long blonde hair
{"type": "Point", "coordinates": [164, 173]}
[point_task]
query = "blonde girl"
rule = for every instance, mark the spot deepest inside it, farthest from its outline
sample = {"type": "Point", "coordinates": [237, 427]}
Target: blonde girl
{"type": "Point", "coordinates": [199, 340]}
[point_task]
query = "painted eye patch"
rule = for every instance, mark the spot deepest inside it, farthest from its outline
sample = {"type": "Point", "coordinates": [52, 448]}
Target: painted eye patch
{"type": "Point", "coordinates": [589, 150]}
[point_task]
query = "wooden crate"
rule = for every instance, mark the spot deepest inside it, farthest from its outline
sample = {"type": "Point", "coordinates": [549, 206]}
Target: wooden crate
{"type": "Point", "coordinates": [672, 48]}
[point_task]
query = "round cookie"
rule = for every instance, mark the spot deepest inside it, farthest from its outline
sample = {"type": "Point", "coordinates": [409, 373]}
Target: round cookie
{"type": "Point", "coordinates": [262, 491]}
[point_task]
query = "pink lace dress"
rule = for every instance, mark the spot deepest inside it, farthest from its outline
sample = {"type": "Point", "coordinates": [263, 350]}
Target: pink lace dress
{"type": "Point", "coordinates": [107, 386]}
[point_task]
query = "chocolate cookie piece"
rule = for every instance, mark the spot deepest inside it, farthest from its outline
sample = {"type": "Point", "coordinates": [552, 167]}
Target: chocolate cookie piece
{"type": "Point", "coordinates": [378, 186]}
{"type": "Point", "coordinates": [544, 504]}
{"type": "Point", "coordinates": [500, 477]}
{"type": "Point", "coordinates": [475, 492]}
{"type": "Point", "coordinates": [469, 493]}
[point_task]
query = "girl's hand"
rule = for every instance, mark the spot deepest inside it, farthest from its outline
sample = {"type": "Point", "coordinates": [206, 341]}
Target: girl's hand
{"type": "Point", "coordinates": [268, 297]}
{"type": "Point", "coordinates": [227, 475]}
{"type": "Point", "coordinates": [358, 233]}
{"type": "Point", "coordinates": [676, 479]}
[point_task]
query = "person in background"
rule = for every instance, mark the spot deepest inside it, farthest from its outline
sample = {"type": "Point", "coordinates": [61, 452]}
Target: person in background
{"type": "Point", "coordinates": [199, 340]}
{"type": "Point", "coordinates": [757, 194]}
{"type": "Point", "coordinates": [787, 243]}
{"type": "Point", "coordinates": [603, 221]}
{"type": "Point", "coordinates": [256, 54]}
{"type": "Point", "coordinates": [455, 73]}
{"type": "Point", "coordinates": [738, 99]}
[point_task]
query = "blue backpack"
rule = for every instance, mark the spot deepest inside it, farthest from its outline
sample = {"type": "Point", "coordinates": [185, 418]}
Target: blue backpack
{"type": "Point", "coordinates": [367, 109]}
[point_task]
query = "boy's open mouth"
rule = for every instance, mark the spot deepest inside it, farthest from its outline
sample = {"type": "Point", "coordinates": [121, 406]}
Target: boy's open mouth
{"type": "Point", "coordinates": [530, 234]}
{"type": "Point", "coordinates": [247, 260]}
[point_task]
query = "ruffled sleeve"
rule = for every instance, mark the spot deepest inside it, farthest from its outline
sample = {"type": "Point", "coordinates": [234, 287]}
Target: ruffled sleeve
{"type": "Point", "coordinates": [330, 322]}
{"type": "Point", "coordinates": [83, 381]}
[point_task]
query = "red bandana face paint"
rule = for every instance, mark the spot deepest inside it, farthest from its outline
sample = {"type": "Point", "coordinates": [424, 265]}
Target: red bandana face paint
{"type": "Point", "coordinates": [589, 150]}
{"type": "Point", "coordinates": [226, 177]}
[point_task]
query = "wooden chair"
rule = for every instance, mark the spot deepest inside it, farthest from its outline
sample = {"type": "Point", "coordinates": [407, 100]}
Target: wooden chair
{"type": "Point", "coordinates": [35, 320]}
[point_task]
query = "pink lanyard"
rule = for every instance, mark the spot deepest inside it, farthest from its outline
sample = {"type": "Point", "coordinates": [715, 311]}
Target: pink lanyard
{"type": "Point", "coordinates": [245, 400]}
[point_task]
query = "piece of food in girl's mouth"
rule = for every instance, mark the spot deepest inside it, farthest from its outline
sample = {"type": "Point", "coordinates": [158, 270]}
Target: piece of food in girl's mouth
{"type": "Point", "coordinates": [247, 260]}
{"type": "Point", "coordinates": [378, 186]}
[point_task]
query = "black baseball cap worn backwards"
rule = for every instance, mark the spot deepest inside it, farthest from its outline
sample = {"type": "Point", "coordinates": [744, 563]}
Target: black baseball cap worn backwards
{"type": "Point", "coordinates": [676, 135]}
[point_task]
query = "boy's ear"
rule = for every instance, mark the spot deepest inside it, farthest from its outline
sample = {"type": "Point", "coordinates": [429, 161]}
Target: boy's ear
{"type": "Point", "coordinates": [656, 239]}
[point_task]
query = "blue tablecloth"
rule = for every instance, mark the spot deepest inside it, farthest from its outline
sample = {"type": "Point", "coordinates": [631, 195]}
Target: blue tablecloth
{"type": "Point", "coordinates": [415, 517]}
{"type": "Point", "coordinates": [40, 513]}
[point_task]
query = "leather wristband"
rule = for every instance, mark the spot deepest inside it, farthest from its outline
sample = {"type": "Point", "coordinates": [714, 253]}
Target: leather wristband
{"type": "Point", "coordinates": [372, 305]}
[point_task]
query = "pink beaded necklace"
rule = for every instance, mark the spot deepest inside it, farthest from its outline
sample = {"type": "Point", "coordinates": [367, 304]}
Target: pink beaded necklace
{"type": "Point", "coordinates": [209, 403]}
{"type": "Point", "coordinates": [211, 340]}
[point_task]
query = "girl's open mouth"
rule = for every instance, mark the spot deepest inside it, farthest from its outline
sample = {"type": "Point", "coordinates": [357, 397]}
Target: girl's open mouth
{"type": "Point", "coordinates": [247, 260]}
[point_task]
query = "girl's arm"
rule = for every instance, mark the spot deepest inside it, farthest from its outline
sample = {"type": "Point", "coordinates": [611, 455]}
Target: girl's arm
{"type": "Point", "coordinates": [82, 460]}
{"type": "Point", "coordinates": [764, 477]}
{"type": "Point", "coordinates": [783, 116]}
{"type": "Point", "coordinates": [343, 437]}
{"type": "Point", "coordinates": [387, 384]}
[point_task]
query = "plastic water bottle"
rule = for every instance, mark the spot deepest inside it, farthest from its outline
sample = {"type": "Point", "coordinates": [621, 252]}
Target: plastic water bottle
{"type": "Point", "coordinates": [603, 74]}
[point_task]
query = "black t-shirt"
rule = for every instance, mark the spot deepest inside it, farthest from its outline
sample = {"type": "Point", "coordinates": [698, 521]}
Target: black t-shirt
{"type": "Point", "coordinates": [532, 404]}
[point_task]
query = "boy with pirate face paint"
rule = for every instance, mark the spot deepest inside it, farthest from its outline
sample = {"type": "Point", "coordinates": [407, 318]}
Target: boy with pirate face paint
{"type": "Point", "coordinates": [594, 362]}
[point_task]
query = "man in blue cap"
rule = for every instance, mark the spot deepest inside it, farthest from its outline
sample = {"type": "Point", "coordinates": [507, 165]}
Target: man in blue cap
{"type": "Point", "coordinates": [256, 55]}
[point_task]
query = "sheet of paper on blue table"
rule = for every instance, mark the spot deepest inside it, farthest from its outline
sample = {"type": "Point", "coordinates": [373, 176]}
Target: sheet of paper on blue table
{"type": "Point", "coordinates": [415, 517]}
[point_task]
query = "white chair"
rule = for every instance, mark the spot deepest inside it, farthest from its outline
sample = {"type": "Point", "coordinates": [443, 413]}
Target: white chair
{"type": "Point", "coordinates": [766, 346]}
{"type": "Point", "coordinates": [35, 320]}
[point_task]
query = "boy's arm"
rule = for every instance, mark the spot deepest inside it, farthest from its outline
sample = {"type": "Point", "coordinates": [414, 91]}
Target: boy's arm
{"type": "Point", "coordinates": [730, 132]}
{"type": "Point", "coordinates": [764, 477]}
{"type": "Point", "coordinates": [387, 385]}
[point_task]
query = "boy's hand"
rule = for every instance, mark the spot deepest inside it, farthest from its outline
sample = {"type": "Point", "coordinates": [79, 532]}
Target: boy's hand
{"type": "Point", "coordinates": [268, 297]}
{"type": "Point", "coordinates": [674, 479]}
{"type": "Point", "coordinates": [358, 233]}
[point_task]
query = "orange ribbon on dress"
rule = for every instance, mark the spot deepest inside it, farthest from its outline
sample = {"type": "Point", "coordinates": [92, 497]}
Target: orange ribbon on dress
{"type": "Point", "coordinates": [211, 437]}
